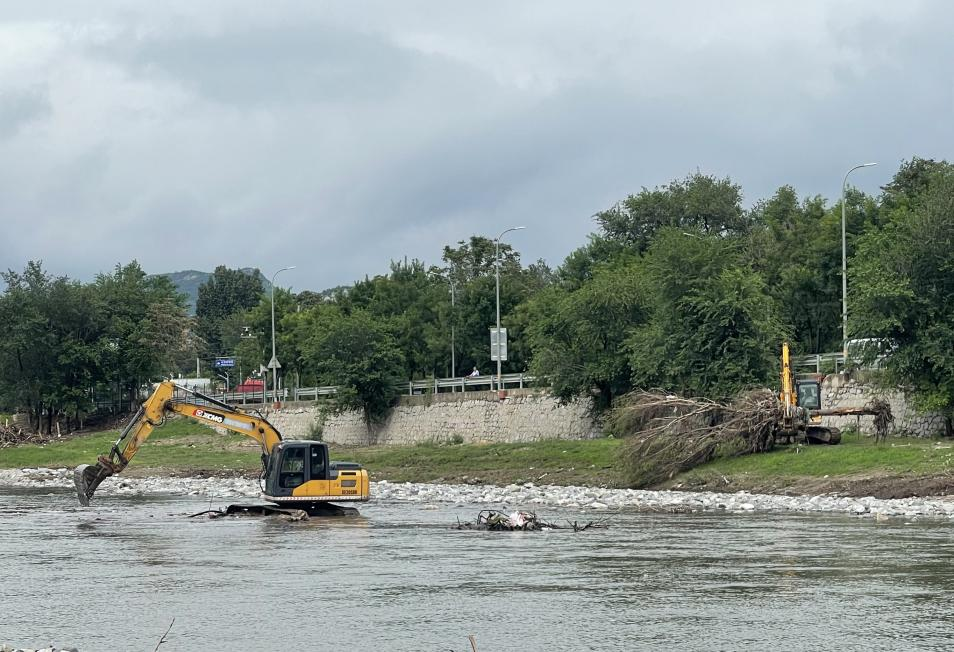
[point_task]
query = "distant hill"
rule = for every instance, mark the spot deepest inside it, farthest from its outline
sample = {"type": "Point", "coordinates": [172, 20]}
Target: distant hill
{"type": "Point", "coordinates": [188, 282]}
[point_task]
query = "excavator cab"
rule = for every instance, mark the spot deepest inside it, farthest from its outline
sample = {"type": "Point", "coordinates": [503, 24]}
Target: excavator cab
{"type": "Point", "coordinates": [809, 394]}
{"type": "Point", "coordinates": [299, 471]}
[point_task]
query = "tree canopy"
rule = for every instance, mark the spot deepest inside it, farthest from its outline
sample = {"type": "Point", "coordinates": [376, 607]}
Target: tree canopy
{"type": "Point", "coordinates": [681, 287]}
{"type": "Point", "coordinates": [902, 290]}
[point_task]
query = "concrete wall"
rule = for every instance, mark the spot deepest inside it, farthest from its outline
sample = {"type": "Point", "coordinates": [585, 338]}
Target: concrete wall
{"type": "Point", "coordinates": [475, 417]}
{"type": "Point", "coordinates": [842, 391]}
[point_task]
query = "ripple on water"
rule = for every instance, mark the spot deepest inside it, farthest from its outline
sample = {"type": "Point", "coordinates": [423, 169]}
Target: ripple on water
{"type": "Point", "coordinates": [400, 578]}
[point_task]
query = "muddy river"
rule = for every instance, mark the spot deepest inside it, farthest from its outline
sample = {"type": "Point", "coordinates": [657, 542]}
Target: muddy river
{"type": "Point", "coordinates": [113, 576]}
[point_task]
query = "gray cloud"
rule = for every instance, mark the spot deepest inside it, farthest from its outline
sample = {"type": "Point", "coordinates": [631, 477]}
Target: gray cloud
{"type": "Point", "coordinates": [338, 136]}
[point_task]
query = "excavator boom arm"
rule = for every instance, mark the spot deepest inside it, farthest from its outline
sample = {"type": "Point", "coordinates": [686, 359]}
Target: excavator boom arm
{"type": "Point", "coordinates": [167, 398]}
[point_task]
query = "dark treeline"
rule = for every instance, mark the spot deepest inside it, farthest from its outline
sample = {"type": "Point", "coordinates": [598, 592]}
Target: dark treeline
{"type": "Point", "coordinates": [680, 288]}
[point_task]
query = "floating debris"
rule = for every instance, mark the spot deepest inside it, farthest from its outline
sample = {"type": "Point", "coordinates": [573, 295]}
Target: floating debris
{"type": "Point", "coordinates": [498, 521]}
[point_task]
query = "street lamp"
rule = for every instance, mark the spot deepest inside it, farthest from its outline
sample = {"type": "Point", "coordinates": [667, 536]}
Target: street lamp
{"type": "Point", "coordinates": [453, 316]}
{"type": "Point", "coordinates": [274, 364]}
{"type": "Point", "coordinates": [497, 269]}
{"type": "Point", "coordinates": [844, 263]}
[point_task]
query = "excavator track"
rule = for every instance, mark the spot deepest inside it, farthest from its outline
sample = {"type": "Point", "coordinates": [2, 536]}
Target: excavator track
{"type": "Point", "coordinates": [292, 513]}
{"type": "Point", "coordinates": [822, 435]}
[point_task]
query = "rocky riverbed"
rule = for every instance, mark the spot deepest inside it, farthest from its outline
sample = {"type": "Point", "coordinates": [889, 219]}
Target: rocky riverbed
{"type": "Point", "coordinates": [526, 496]}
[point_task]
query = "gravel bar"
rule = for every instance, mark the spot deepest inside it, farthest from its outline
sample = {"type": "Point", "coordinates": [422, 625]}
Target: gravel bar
{"type": "Point", "coordinates": [526, 496]}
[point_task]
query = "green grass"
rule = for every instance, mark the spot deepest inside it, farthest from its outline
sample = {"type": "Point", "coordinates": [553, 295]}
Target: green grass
{"type": "Point", "coordinates": [591, 461]}
{"type": "Point", "coordinates": [183, 446]}
{"type": "Point", "coordinates": [179, 444]}
{"type": "Point", "coordinates": [855, 455]}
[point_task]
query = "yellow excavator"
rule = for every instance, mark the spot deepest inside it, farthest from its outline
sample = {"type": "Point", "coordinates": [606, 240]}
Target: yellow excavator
{"type": "Point", "coordinates": [802, 410]}
{"type": "Point", "coordinates": [296, 475]}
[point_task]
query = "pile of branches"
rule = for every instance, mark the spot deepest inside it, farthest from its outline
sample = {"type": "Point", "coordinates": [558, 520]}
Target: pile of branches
{"type": "Point", "coordinates": [883, 418]}
{"type": "Point", "coordinates": [496, 521]}
{"type": "Point", "coordinates": [668, 434]}
{"type": "Point", "coordinates": [12, 436]}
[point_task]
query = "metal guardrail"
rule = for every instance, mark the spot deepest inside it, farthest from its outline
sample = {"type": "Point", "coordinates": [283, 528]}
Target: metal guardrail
{"type": "Point", "coordinates": [820, 361]}
{"type": "Point", "coordinates": [412, 387]}
{"type": "Point", "coordinates": [468, 383]}
{"type": "Point", "coordinates": [833, 362]}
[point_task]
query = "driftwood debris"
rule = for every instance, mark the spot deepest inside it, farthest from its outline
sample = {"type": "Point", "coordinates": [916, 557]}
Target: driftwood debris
{"type": "Point", "coordinates": [497, 521]}
{"type": "Point", "coordinates": [163, 639]}
{"type": "Point", "coordinates": [13, 436]}
{"type": "Point", "coordinates": [670, 433]}
{"type": "Point", "coordinates": [879, 408]}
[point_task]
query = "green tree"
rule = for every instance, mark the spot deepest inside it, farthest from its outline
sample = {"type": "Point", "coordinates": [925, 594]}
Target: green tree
{"type": "Point", "coordinates": [577, 334]}
{"type": "Point", "coordinates": [227, 292]}
{"type": "Point", "coordinates": [902, 290]}
{"type": "Point", "coordinates": [48, 348]}
{"type": "Point", "coordinates": [699, 203]}
{"type": "Point", "coordinates": [471, 267]}
{"type": "Point", "coordinates": [714, 329]}
{"type": "Point", "coordinates": [413, 299]}
{"type": "Point", "coordinates": [248, 335]}
{"type": "Point", "coordinates": [358, 353]}
{"type": "Point", "coordinates": [146, 328]}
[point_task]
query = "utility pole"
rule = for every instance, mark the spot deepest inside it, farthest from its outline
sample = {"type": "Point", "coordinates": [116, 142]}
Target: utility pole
{"type": "Point", "coordinates": [497, 269]}
{"type": "Point", "coordinates": [274, 364]}
{"type": "Point", "coordinates": [453, 316]}
{"type": "Point", "coordinates": [844, 264]}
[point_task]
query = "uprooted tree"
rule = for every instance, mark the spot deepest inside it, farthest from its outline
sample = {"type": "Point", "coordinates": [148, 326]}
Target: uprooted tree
{"type": "Point", "coordinates": [668, 434]}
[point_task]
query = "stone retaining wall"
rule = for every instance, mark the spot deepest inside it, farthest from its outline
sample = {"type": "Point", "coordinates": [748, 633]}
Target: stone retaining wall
{"type": "Point", "coordinates": [839, 390]}
{"type": "Point", "coordinates": [475, 417]}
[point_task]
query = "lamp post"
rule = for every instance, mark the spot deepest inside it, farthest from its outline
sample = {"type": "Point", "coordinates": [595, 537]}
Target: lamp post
{"type": "Point", "coordinates": [274, 364]}
{"type": "Point", "coordinates": [497, 269]}
{"type": "Point", "coordinates": [844, 263]}
{"type": "Point", "coordinates": [453, 316]}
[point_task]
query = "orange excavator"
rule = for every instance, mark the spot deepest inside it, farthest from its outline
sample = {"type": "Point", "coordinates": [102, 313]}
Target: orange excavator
{"type": "Point", "coordinates": [297, 475]}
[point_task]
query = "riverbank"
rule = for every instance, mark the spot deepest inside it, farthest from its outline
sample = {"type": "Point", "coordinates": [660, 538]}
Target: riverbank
{"type": "Point", "coordinates": [900, 468]}
{"type": "Point", "coordinates": [528, 496]}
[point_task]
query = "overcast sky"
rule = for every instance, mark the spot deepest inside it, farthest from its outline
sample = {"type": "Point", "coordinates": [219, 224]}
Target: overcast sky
{"type": "Point", "coordinates": [339, 136]}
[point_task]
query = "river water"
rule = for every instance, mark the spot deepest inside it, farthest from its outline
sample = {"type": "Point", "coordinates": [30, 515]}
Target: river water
{"type": "Point", "coordinates": [113, 576]}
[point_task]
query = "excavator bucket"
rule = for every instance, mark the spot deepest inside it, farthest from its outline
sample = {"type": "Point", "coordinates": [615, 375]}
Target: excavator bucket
{"type": "Point", "coordinates": [87, 477]}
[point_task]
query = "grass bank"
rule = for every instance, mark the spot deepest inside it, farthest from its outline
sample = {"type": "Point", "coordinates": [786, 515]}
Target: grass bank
{"type": "Point", "coordinates": [183, 447]}
{"type": "Point", "coordinates": [900, 467]}
{"type": "Point", "coordinates": [858, 466]}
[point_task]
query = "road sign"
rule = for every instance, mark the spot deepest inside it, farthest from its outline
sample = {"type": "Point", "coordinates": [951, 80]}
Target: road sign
{"type": "Point", "coordinates": [221, 363]}
{"type": "Point", "coordinates": [274, 363]}
{"type": "Point", "coordinates": [498, 345]}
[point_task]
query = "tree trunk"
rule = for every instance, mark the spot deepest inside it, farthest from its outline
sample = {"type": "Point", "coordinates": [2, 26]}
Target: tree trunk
{"type": "Point", "coordinates": [370, 426]}
{"type": "Point", "coordinates": [948, 427]}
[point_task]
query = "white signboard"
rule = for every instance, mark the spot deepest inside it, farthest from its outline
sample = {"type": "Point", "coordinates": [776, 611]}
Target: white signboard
{"type": "Point", "coordinates": [498, 345]}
